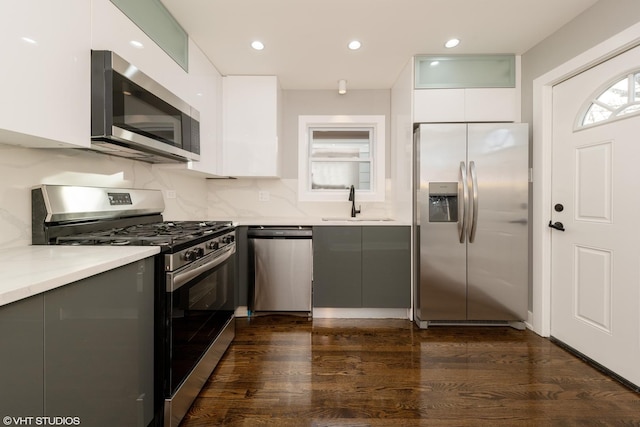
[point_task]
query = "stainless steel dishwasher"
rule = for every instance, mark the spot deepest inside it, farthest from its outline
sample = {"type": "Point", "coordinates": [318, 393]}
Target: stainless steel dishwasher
{"type": "Point", "coordinates": [282, 268]}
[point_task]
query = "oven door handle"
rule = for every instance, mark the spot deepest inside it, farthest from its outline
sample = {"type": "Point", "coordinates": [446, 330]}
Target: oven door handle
{"type": "Point", "coordinates": [177, 280]}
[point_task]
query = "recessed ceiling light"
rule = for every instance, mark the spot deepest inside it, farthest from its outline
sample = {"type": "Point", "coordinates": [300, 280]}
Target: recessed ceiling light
{"type": "Point", "coordinates": [257, 45]}
{"type": "Point", "coordinates": [452, 43]}
{"type": "Point", "coordinates": [434, 63]}
{"type": "Point", "coordinates": [355, 45]}
{"type": "Point", "coordinates": [136, 44]}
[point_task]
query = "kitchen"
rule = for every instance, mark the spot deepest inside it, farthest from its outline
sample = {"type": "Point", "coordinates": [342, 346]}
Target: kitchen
{"type": "Point", "coordinates": [23, 167]}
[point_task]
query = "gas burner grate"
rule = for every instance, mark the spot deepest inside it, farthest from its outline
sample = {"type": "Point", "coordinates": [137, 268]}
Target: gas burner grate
{"type": "Point", "coordinates": [165, 233]}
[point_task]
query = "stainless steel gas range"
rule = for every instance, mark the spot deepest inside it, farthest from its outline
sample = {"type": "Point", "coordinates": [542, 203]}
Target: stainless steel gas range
{"type": "Point", "coordinates": [195, 276]}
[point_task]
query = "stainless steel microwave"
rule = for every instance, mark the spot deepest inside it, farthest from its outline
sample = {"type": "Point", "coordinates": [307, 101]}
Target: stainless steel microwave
{"type": "Point", "coordinates": [133, 116]}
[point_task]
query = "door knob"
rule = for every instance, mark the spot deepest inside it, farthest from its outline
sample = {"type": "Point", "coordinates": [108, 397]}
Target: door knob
{"type": "Point", "coordinates": [557, 225]}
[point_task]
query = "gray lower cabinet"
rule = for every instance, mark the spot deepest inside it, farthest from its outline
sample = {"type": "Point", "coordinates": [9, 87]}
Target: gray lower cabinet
{"type": "Point", "coordinates": [386, 266]}
{"type": "Point", "coordinates": [83, 350]}
{"type": "Point", "coordinates": [21, 358]}
{"type": "Point", "coordinates": [362, 266]}
{"type": "Point", "coordinates": [242, 251]}
{"type": "Point", "coordinates": [337, 266]}
{"type": "Point", "coordinates": [99, 348]}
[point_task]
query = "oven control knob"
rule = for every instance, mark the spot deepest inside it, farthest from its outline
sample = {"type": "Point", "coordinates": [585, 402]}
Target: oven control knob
{"type": "Point", "coordinates": [199, 252]}
{"type": "Point", "coordinates": [214, 245]}
{"type": "Point", "coordinates": [189, 255]}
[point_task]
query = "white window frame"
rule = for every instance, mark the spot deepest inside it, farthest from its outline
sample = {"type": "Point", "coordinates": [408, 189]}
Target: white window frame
{"type": "Point", "coordinates": [377, 191]}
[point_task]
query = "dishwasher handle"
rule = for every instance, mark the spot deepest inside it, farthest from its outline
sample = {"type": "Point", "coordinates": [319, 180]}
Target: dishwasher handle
{"type": "Point", "coordinates": [280, 232]}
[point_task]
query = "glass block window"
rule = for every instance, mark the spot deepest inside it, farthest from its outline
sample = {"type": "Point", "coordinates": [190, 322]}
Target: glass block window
{"type": "Point", "coordinates": [621, 99]}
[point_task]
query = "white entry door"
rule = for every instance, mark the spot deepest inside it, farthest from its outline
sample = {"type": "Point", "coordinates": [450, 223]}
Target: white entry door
{"type": "Point", "coordinates": [595, 289]}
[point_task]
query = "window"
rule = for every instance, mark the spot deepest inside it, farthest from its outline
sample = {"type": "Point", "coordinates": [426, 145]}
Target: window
{"type": "Point", "coordinates": [336, 152]}
{"type": "Point", "coordinates": [619, 100]}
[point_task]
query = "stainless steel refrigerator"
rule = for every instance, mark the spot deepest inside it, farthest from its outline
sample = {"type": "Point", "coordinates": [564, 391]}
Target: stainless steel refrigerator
{"type": "Point", "coordinates": [471, 221]}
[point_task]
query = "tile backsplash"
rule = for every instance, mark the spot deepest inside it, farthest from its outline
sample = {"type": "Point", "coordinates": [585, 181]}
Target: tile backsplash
{"type": "Point", "coordinates": [195, 198]}
{"type": "Point", "coordinates": [24, 168]}
{"type": "Point", "coordinates": [278, 198]}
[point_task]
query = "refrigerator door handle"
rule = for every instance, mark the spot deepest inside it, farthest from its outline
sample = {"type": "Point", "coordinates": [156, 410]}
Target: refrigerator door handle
{"type": "Point", "coordinates": [474, 205]}
{"type": "Point", "coordinates": [463, 193]}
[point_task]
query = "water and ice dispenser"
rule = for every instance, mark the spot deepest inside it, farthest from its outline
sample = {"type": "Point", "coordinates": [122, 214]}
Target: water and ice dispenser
{"type": "Point", "coordinates": [443, 202]}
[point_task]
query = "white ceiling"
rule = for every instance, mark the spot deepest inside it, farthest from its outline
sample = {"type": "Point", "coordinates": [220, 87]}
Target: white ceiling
{"type": "Point", "coordinates": [306, 40]}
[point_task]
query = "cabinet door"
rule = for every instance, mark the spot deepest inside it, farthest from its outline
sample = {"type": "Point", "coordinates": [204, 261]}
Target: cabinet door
{"type": "Point", "coordinates": [250, 127]}
{"type": "Point", "coordinates": [99, 355]}
{"type": "Point", "coordinates": [245, 265]}
{"type": "Point", "coordinates": [465, 105]}
{"type": "Point", "coordinates": [438, 105]}
{"type": "Point", "coordinates": [386, 267]}
{"type": "Point", "coordinates": [21, 363]}
{"type": "Point", "coordinates": [337, 266]}
{"type": "Point", "coordinates": [113, 30]}
{"type": "Point", "coordinates": [205, 92]}
{"type": "Point", "coordinates": [45, 81]}
{"type": "Point", "coordinates": [491, 105]}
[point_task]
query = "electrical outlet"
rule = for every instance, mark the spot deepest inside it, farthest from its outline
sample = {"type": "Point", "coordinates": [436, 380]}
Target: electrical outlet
{"type": "Point", "coordinates": [263, 196]}
{"type": "Point", "coordinates": [171, 194]}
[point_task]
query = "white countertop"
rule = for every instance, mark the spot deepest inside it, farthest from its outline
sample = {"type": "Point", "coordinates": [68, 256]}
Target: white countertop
{"type": "Point", "coordinates": [318, 221]}
{"type": "Point", "coordinates": [31, 270]}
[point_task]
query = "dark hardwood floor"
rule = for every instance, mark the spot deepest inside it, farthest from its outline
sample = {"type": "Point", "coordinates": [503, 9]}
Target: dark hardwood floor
{"type": "Point", "coordinates": [289, 371]}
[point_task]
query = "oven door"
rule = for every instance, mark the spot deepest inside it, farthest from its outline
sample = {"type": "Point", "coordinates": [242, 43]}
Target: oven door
{"type": "Point", "coordinates": [200, 303]}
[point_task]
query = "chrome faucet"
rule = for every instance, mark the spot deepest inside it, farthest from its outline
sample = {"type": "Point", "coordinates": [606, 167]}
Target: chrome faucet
{"type": "Point", "coordinates": [352, 199]}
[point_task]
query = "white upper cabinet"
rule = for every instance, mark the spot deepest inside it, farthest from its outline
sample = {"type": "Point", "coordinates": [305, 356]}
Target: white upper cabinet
{"type": "Point", "coordinates": [466, 105]}
{"type": "Point", "coordinates": [492, 105]}
{"type": "Point", "coordinates": [438, 105]}
{"type": "Point", "coordinates": [466, 88]}
{"type": "Point", "coordinates": [113, 30]}
{"type": "Point", "coordinates": [205, 94]}
{"type": "Point", "coordinates": [45, 83]}
{"type": "Point", "coordinates": [251, 126]}
{"type": "Point", "coordinates": [201, 86]}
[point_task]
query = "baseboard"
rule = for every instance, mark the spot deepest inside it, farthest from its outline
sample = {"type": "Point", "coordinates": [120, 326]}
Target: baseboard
{"type": "Point", "coordinates": [361, 313]}
{"type": "Point", "coordinates": [596, 365]}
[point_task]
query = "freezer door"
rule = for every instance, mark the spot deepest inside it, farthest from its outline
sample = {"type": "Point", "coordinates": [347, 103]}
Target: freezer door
{"type": "Point", "coordinates": [498, 246]}
{"type": "Point", "coordinates": [442, 290]}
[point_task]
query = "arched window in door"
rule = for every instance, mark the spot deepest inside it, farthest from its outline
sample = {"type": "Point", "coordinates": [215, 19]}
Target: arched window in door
{"type": "Point", "coordinates": [619, 99]}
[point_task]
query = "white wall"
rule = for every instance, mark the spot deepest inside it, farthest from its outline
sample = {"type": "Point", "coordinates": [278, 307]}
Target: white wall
{"type": "Point", "coordinates": [23, 168]}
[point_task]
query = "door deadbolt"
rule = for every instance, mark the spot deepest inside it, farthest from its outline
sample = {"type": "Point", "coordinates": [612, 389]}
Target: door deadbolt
{"type": "Point", "coordinates": [558, 207]}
